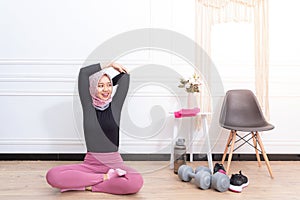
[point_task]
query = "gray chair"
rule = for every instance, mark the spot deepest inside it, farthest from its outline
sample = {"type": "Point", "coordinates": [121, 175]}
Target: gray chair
{"type": "Point", "coordinates": [241, 112]}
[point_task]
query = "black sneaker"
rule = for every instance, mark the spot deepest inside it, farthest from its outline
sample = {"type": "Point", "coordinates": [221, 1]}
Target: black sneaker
{"type": "Point", "coordinates": [238, 182]}
{"type": "Point", "coordinates": [219, 168]}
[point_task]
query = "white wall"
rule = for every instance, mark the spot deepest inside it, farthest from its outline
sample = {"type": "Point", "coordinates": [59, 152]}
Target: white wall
{"type": "Point", "coordinates": [43, 44]}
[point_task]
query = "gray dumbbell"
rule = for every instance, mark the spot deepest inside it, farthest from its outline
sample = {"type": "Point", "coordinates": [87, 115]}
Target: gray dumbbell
{"type": "Point", "coordinates": [204, 179]}
{"type": "Point", "coordinates": [186, 173]}
{"type": "Point", "coordinates": [202, 176]}
{"type": "Point", "coordinates": [220, 182]}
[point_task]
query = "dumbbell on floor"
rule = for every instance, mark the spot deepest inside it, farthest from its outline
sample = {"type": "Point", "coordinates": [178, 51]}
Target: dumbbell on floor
{"type": "Point", "coordinates": [202, 176]}
{"type": "Point", "coordinates": [220, 182]}
{"type": "Point", "coordinates": [204, 179]}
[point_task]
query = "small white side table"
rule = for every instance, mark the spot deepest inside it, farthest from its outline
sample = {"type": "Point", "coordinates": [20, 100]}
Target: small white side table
{"type": "Point", "coordinates": [204, 125]}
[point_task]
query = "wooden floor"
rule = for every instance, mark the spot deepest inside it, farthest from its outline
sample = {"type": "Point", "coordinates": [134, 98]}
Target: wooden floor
{"type": "Point", "coordinates": [26, 180]}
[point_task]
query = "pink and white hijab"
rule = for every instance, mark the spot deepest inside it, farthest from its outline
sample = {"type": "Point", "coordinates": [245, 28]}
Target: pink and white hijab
{"type": "Point", "coordinates": [98, 103]}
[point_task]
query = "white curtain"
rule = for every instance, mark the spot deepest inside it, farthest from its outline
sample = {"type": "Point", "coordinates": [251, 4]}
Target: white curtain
{"type": "Point", "coordinates": [210, 12]}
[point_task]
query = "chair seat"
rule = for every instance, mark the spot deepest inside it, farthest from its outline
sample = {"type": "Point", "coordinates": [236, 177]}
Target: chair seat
{"type": "Point", "coordinates": [264, 127]}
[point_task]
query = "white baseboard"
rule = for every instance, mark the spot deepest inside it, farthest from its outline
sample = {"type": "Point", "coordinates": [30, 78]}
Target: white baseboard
{"type": "Point", "coordinates": [158, 146]}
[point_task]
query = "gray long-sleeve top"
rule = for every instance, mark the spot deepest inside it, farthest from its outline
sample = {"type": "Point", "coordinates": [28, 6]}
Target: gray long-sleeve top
{"type": "Point", "coordinates": [101, 128]}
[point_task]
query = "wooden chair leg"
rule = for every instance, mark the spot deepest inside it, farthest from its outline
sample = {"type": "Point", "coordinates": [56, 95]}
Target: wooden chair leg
{"type": "Point", "coordinates": [264, 154]}
{"type": "Point", "coordinates": [256, 150]}
{"type": "Point", "coordinates": [226, 147]}
{"type": "Point", "coordinates": [231, 151]}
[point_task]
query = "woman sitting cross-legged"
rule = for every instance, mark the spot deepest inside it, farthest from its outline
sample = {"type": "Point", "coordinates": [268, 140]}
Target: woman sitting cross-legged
{"type": "Point", "coordinates": [103, 169]}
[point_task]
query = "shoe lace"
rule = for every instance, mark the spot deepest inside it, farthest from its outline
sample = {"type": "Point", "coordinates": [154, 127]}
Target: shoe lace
{"type": "Point", "coordinates": [243, 177]}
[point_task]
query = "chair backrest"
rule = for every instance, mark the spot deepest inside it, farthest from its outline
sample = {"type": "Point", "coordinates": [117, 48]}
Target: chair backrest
{"type": "Point", "coordinates": [241, 111]}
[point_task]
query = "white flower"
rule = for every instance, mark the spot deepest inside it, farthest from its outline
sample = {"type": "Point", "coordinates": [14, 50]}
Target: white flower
{"type": "Point", "coordinates": [192, 84]}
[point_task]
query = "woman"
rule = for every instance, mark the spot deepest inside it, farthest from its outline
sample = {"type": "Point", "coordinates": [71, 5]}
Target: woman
{"type": "Point", "coordinates": [103, 169]}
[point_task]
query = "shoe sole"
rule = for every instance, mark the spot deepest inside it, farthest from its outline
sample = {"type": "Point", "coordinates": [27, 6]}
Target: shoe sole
{"type": "Point", "coordinates": [238, 189]}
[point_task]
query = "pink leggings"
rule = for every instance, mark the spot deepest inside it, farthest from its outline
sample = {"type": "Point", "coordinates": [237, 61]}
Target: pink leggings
{"type": "Point", "coordinates": [91, 172]}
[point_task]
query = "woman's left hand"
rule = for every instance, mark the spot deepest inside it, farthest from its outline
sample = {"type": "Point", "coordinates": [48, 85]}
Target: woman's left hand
{"type": "Point", "coordinates": [120, 68]}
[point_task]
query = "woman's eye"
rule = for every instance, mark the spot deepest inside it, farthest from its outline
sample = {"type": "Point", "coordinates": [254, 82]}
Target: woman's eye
{"type": "Point", "coordinates": [102, 85]}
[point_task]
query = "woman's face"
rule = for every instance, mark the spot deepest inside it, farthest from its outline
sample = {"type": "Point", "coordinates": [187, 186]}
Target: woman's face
{"type": "Point", "coordinates": [104, 88]}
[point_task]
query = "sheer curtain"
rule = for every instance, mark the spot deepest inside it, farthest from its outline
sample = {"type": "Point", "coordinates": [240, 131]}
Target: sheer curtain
{"type": "Point", "coordinates": [210, 12]}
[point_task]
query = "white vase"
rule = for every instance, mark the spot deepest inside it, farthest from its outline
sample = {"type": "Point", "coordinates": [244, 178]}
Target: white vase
{"type": "Point", "coordinates": [193, 100]}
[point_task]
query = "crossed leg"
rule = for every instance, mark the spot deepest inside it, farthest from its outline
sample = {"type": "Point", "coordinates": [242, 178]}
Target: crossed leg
{"type": "Point", "coordinates": [80, 176]}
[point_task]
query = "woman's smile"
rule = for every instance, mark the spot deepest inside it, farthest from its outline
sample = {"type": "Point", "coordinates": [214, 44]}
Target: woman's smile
{"type": "Point", "coordinates": [105, 94]}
